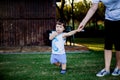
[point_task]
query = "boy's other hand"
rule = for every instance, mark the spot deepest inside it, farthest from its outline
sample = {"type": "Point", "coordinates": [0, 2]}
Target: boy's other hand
{"type": "Point", "coordinates": [55, 33]}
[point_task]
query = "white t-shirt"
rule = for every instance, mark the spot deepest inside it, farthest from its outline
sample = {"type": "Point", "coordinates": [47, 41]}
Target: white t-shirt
{"type": "Point", "coordinates": [58, 44]}
{"type": "Point", "coordinates": [112, 9]}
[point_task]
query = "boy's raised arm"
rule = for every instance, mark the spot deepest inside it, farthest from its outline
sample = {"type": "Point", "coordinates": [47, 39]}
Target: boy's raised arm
{"type": "Point", "coordinates": [71, 33]}
{"type": "Point", "coordinates": [52, 35]}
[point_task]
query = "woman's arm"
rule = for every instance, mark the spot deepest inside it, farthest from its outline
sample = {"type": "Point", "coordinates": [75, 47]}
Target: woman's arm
{"type": "Point", "coordinates": [89, 14]}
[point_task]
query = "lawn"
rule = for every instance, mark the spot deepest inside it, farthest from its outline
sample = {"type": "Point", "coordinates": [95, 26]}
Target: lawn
{"type": "Point", "coordinates": [80, 66]}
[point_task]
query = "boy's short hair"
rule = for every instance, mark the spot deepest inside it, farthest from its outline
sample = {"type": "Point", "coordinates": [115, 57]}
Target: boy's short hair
{"type": "Point", "coordinates": [61, 21]}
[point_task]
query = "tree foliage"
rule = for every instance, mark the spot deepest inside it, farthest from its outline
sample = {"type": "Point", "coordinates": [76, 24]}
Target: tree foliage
{"type": "Point", "coordinates": [80, 9]}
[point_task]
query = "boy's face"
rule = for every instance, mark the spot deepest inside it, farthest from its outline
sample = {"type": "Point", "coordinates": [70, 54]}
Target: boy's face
{"type": "Point", "coordinates": [59, 28]}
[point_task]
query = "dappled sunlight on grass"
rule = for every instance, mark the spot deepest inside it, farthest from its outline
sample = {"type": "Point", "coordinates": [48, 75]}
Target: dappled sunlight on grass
{"type": "Point", "coordinates": [75, 44]}
{"type": "Point", "coordinates": [92, 46]}
{"type": "Point", "coordinates": [96, 48]}
{"type": "Point", "coordinates": [96, 44]}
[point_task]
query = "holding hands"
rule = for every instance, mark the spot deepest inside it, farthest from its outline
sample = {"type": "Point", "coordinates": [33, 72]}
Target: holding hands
{"type": "Point", "coordinates": [80, 27]}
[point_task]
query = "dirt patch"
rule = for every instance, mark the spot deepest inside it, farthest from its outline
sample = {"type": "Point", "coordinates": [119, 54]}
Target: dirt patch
{"type": "Point", "coordinates": [40, 49]}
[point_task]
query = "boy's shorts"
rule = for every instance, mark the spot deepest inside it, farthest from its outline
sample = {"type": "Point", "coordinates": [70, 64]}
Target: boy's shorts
{"type": "Point", "coordinates": [61, 58]}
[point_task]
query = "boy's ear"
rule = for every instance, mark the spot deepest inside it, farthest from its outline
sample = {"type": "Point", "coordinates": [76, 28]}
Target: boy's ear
{"type": "Point", "coordinates": [64, 28]}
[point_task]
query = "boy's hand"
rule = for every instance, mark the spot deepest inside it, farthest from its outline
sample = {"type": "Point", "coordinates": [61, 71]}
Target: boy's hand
{"type": "Point", "coordinates": [54, 33]}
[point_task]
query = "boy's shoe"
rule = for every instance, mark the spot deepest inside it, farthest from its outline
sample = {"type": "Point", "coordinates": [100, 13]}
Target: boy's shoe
{"type": "Point", "coordinates": [63, 71]}
{"type": "Point", "coordinates": [102, 73]}
{"type": "Point", "coordinates": [116, 72]}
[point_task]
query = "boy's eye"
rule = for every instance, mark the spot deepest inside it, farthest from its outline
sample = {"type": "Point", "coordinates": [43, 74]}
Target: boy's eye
{"type": "Point", "coordinates": [57, 26]}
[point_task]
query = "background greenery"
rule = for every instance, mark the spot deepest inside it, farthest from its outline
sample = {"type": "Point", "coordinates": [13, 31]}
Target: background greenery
{"type": "Point", "coordinates": [74, 12]}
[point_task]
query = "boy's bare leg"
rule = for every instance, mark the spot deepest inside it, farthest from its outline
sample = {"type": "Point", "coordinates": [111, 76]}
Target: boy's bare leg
{"type": "Point", "coordinates": [63, 70]}
{"type": "Point", "coordinates": [57, 64]}
{"type": "Point", "coordinates": [63, 66]}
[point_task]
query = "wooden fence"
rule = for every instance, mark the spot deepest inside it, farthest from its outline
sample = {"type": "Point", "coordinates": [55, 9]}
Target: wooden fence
{"type": "Point", "coordinates": [26, 22]}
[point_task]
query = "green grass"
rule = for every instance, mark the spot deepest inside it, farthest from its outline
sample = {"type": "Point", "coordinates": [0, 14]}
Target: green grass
{"type": "Point", "coordinates": [80, 66]}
